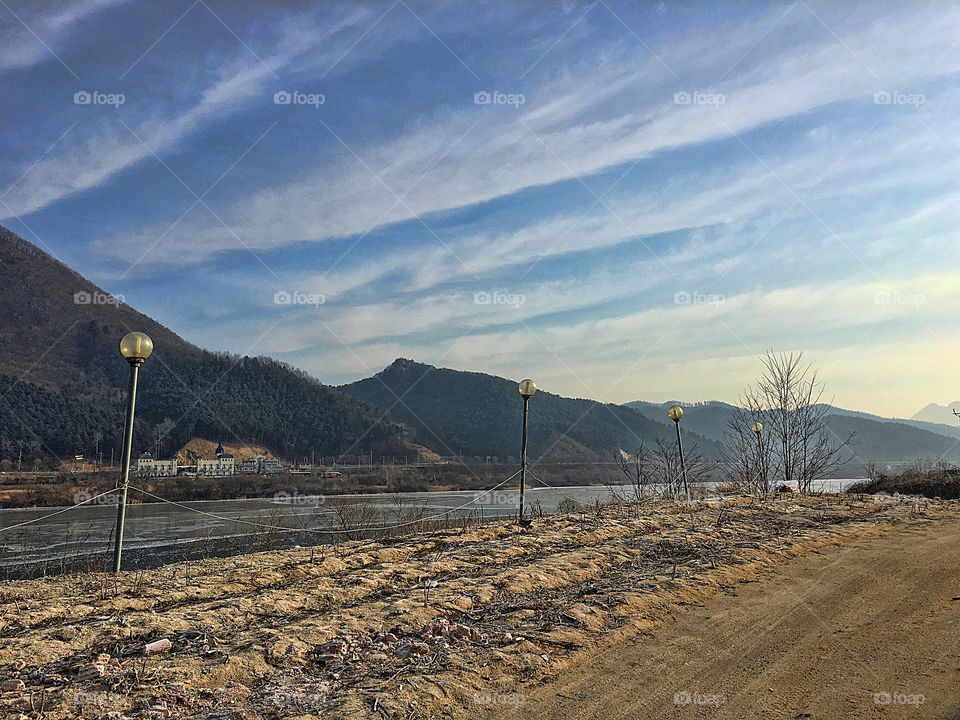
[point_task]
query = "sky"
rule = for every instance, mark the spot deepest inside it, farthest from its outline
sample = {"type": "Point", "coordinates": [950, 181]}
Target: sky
{"type": "Point", "coordinates": [620, 200]}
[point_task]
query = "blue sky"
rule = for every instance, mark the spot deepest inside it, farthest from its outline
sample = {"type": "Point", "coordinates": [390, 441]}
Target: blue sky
{"type": "Point", "coordinates": [654, 194]}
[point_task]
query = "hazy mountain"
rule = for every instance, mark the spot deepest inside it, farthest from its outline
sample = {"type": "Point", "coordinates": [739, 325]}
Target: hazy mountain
{"type": "Point", "coordinates": [454, 412]}
{"type": "Point", "coordinates": [62, 379]}
{"type": "Point", "coordinates": [939, 414]}
{"type": "Point", "coordinates": [878, 439]}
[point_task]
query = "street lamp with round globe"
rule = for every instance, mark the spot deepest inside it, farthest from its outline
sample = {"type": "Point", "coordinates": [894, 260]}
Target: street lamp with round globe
{"type": "Point", "coordinates": [135, 348]}
{"type": "Point", "coordinates": [675, 413]}
{"type": "Point", "coordinates": [527, 388]}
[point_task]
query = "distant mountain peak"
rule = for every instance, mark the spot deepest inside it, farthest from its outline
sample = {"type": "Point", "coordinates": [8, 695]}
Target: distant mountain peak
{"type": "Point", "coordinates": [939, 413]}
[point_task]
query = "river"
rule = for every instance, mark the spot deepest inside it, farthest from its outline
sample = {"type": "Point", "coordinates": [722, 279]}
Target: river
{"type": "Point", "coordinates": [156, 533]}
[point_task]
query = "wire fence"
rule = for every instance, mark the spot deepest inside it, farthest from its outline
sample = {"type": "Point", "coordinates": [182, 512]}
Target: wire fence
{"type": "Point", "coordinates": [80, 537]}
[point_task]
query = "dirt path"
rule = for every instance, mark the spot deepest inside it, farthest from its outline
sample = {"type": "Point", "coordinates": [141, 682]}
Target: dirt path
{"type": "Point", "coordinates": [834, 634]}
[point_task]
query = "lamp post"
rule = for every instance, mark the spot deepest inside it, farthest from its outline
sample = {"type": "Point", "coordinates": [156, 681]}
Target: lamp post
{"type": "Point", "coordinates": [135, 347]}
{"type": "Point", "coordinates": [527, 388]}
{"type": "Point", "coordinates": [675, 413]}
{"type": "Point", "coordinates": [758, 429]}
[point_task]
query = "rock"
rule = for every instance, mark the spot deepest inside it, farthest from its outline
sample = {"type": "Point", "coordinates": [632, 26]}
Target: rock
{"type": "Point", "coordinates": [157, 646]}
{"type": "Point", "coordinates": [12, 685]}
{"type": "Point", "coordinates": [390, 638]}
{"type": "Point", "coordinates": [461, 632]}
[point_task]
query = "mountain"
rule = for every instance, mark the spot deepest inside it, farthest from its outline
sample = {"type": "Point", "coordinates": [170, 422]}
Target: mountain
{"type": "Point", "coordinates": [878, 439]}
{"type": "Point", "coordinates": [454, 412]}
{"type": "Point", "coordinates": [939, 414]}
{"type": "Point", "coordinates": [63, 380]}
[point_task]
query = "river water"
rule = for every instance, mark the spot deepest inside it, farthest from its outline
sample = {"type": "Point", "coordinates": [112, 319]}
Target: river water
{"type": "Point", "coordinates": [156, 533]}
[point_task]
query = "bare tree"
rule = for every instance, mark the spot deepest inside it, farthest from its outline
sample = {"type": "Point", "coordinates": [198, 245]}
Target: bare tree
{"type": "Point", "coordinates": [798, 444]}
{"type": "Point", "coordinates": [746, 458]}
{"type": "Point", "coordinates": [657, 470]}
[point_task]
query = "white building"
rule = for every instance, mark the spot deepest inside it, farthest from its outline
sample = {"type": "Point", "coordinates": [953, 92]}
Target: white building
{"type": "Point", "coordinates": [260, 465]}
{"type": "Point", "coordinates": [221, 465]}
{"type": "Point", "coordinates": [148, 466]}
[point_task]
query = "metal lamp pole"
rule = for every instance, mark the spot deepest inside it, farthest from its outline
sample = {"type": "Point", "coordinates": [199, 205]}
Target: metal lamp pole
{"type": "Point", "coordinates": [676, 413]}
{"type": "Point", "coordinates": [758, 429]}
{"type": "Point", "coordinates": [135, 347]}
{"type": "Point", "coordinates": [527, 388]}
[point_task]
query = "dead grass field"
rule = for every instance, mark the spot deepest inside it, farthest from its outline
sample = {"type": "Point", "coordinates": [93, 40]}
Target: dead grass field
{"type": "Point", "coordinates": [452, 624]}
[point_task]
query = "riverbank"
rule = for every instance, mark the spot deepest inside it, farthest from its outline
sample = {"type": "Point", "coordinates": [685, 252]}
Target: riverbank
{"type": "Point", "coordinates": [29, 490]}
{"type": "Point", "coordinates": [447, 624]}
{"type": "Point", "coordinates": [931, 483]}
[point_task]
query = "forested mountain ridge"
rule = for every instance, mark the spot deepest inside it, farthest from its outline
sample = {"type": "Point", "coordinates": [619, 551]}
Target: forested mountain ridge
{"type": "Point", "coordinates": [877, 440]}
{"type": "Point", "coordinates": [63, 381]}
{"type": "Point", "coordinates": [454, 412]}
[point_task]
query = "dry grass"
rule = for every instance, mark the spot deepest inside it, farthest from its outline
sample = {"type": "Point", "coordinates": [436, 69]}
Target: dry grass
{"type": "Point", "coordinates": [409, 627]}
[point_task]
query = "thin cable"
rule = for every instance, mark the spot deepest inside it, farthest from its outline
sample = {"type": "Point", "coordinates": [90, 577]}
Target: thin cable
{"type": "Point", "coordinates": [326, 532]}
{"type": "Point", "coordinates": [59, 512]}
{"type": "Point", "coordinates": [551, 487]}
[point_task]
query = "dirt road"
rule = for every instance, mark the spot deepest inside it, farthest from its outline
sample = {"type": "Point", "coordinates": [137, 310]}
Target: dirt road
{"type": "Point", "coordinates": [867, 629]}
